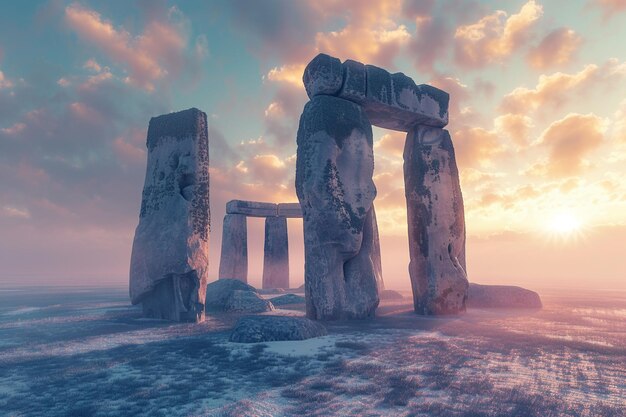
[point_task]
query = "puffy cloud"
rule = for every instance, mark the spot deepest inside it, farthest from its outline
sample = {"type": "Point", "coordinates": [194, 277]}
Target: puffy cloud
{"type": "Point", "coordinates": [16, 212]}
{"type": "Point", "coordinates": [569, 142]}
{"type": "Point", "coordinates": [557, 48]}
{"type": "Point", "coordinates": [475, 145]}
{"type": "Point", "coordinates": [495, 36]}
{"type": "Point", "coordinates": [392, 143]}
{"type": "Point", "coordinates": [429, 43]}
{"type": "Point", "coordinates": [14, 129]}
{"type": "Point", "coordinates": [159, 52]}
{"type": "Point", "coordinates": [514, 126]}
{"type": "Point", "coordinates": [288, 73]}
{"type": "Point", "coordinates": [556, 88]}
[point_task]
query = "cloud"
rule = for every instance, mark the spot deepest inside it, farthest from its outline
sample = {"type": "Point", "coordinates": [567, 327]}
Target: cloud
{"type": "Point", "coordinates": [516, 127]}
{"type": "Point", "coordinates": [494, 37]}
{"type": "Point", "coordinates": [4, 82]}
{"type": "Point", "coordinates": [556, 48]}
{"type": "Point", "coordinates": [610, 8]}
{"type": "Point", "coordinates": [476, 146]}
{"type": "Point", "coordinates": [159, 53]}
{"type": "Point", "coordinates": [553, 90]}
{"type": "Point", "coordinates": [569, 142]}
{"type": "Point", "coordinates": [391, 143]}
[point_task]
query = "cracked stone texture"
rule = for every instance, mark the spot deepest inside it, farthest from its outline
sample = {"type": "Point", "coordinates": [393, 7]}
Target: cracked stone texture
{"type": "Point", "coordinates": [170, 255]}
{"type": "Point", "coordinates": [234, 255]}
{"type": "Point", "coordinates": [436, 223]}
{"type": "Point", "coordinates": [218, 292]}
{"type": "Point", "coordinates": [334, 169]}
{"type": "Point", "coordinates": [241, 301]}
{"type": "Point", "coordinates": [322, 76]}
{"type": "Point", "coordinates": [275, 328]}
{"type": "Point", "coordinates": [276, 253]}
{"type": "Point", "coordinates": [501, 296]}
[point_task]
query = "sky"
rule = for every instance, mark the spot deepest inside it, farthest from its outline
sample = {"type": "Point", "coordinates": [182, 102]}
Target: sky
{"type": "Point", "coordinates": [537, 117]}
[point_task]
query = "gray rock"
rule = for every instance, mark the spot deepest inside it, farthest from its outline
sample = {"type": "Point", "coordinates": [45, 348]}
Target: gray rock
{"type": "Point", "coordinates": [334, 168]}
{"type": "Point", "coordinates": [436, 222]}
{"type": "Point", "coordinates": [275, 328]}
{"type": "Point", "coordinates": [290, 210]}
{"type": "Point", "coordinates": [395, 102]}
{"type": "Point", "coordinates": [354, 86]}
{"type": "Point", "coordinates": [322, 76]}
{"type": "Point", "coordinates": [501, 296]}
{"type": "Point", "coordinates": [218, 292]}
{"type": "Point", "coordinates": [170, 255]}
{"type": "Point", "coordinates": [390, 295]}
{"type": "Point", "coordinates": [271, 291]}
{"type": "Point", "coordinates": [376, 259]}
{"type": "Point", "coordinates": [276, 253]}
{"type": "Point", "coordinates": [251, 208]}
{"type": "Point", "coordinates": [247, 302]}
{"type": "Point", "coordinates": [287, 299]}
{"type": "Point", "coordinates": [234, 255]}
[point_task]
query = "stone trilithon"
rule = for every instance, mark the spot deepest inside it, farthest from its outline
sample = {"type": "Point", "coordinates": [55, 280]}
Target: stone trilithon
{"type": "Point", "coordinates": [334, 185]}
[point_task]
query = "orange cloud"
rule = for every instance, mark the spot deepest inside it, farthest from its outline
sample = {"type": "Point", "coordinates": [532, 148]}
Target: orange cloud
{"type": "Point", "coordinates": [475, 145]}
{"type": "Point", "coordinates": [4, 82]}
{"type": "Point", "coordinates": [391, 143]}
{"type": "Point", "coordinates": [514, 126]}
{"type": "Point", "coordinates": [556, 88]}
{"type": "Point", "coordinates": [494, 37]}
{"type": "Point", "coordinates": [557, 48]}
{"type": "Point", "coordinates": [570, 141]}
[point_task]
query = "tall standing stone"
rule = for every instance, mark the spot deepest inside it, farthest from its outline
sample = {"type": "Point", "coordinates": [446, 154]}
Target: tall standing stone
{"type": "Point", "coordinates": [334, 169]}
{"type": "Point", "coordinates": [234, 256]}
{"type": "Point", "coordinates": [376, 258]}
{"type": "Point", "coordinates": [436, 222]}
{"type": "Point", "coordinates": [276, 253]}
{"type": "Point", "coordinates": [170, 255]}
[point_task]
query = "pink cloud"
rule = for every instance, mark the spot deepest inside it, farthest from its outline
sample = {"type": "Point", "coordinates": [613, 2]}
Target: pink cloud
{"type": "Point", "coordinates": [516, 127]}
{"type": "Point", "coordinates": [569, 142]}
{"type": "Point", "coordinates": [610, 7]}
{"type": "Point", "coordinates": [476, 146]}
{"type": "Point", "coordinates": [495, 37]}
{"type": "Point", "coordinates": [557, 48]}
{"type": "Point", "coordinates": [159, 52]}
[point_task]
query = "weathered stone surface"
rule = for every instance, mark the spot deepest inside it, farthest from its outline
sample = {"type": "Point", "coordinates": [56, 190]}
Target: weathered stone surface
{"type": "Point", "coordinates": [251, 208]}
{"type": "Point", "coordinates": [501, 296]}
{"type": "Point", "coordinates": [395, 102]}
{"type": "Point", "coordinates": [218, 292]}
{"type": "Point", "coordinates": [287, 299]}
{"type": "Point", "coordinates": [436, 222]}
{"type": "Point", "coordinates": [390, 295]}
{"type": "Point", "coordinates": [290, 210]}
{"type": "Point", "coordinates": [354, 86]}
{"type": "Point", "coordinates": [170, 255]}
{"type": "Point", "coordinates": [322, 76]}
{"type": "Point", "coordinates": [276, 253]}
{"type": "Point", "coordinates": [334, 185]}
{"type": "Point", "coordinates": [376, 259]}
{"type": "Point", "coordinates": [247, 302]}
{"type": "Point", "coordinates": [234, 256]}
{"type": "Point", "coordinates": [275, 328]}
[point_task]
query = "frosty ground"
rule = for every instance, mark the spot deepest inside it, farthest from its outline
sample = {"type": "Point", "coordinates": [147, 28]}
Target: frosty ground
{"type": "Point", "coordinates": [87, 352]}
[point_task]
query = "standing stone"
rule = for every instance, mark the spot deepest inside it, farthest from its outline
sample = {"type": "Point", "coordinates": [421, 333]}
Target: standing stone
{"type": "Point", "coordinates": [334, 169]}
{"type": "Point", "coordinates": [170, 255]}
{"type": "Point", "coordinates": [376, 259]}
{"type": "Point", "coordinates": [323, 75]}
{"type": "Point", "coordinates": [436, 222]}
{"type": "Point", "coordinates": [234, 257]}
{"type": "Point", "coordinates": [276, 253]}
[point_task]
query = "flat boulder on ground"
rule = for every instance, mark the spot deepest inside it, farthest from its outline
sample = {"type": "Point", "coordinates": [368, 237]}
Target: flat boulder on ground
{"type": "Point", "coordinates": [254, 329]}
{"type": "Point", "coordinates": [390, 295]}
{"type": "Point", "coordinates": [288, 299]}
{"type": "Point", "coordinates": [247, 302]}
{"type": "Point", "coordinates": [219, 292]}
{"type": "Point", "coordinates": [501, 296]}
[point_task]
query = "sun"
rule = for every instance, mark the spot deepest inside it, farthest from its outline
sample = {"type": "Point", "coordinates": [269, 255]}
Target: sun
{"type": "Point", "coordinates": [564, 226]}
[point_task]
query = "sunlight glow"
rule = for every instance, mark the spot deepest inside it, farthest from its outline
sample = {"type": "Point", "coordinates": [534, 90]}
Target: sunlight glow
{"type": "Point", "coordinates": [564, 226]}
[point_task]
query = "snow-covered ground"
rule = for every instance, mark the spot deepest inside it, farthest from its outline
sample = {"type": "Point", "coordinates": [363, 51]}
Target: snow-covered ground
{"type": "Point", "coordinates": [84, 352]}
